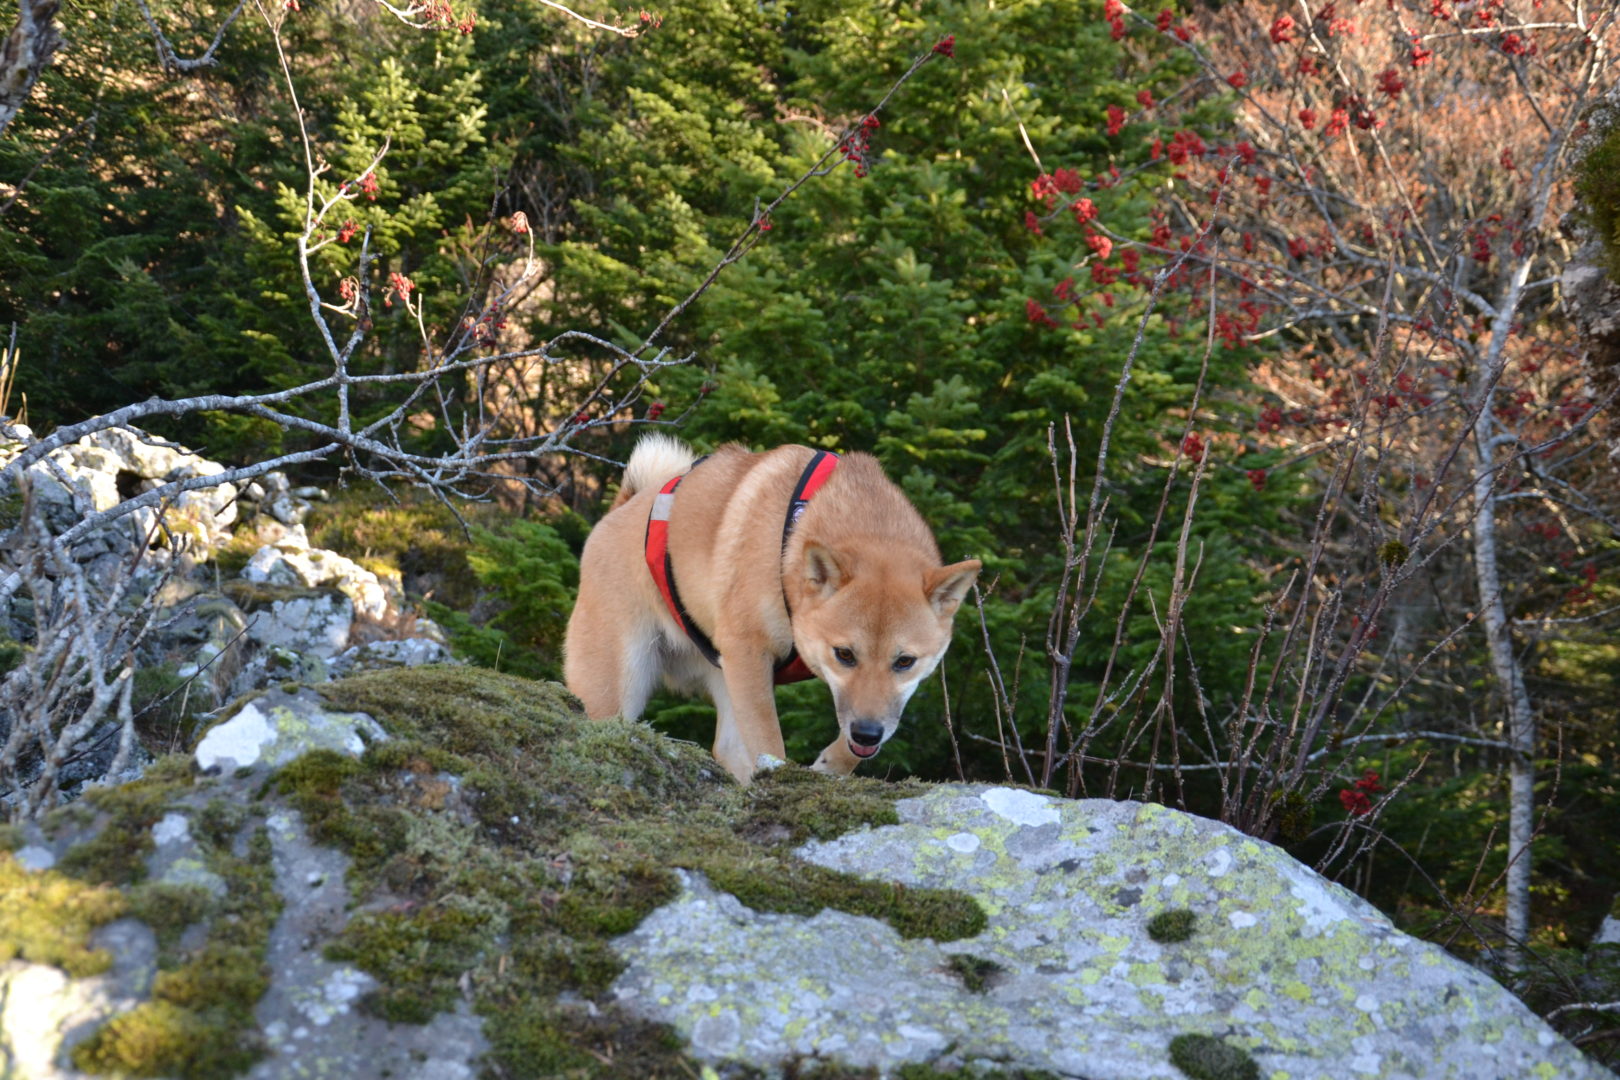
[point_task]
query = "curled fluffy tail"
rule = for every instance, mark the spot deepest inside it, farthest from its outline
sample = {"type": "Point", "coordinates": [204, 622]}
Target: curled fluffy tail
{"type": "Point", "coordinates": [655, 459]}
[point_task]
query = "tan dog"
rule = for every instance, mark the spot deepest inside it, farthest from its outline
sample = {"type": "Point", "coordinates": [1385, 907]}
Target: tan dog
{"type": "Point", "coordinates": [852, 580]}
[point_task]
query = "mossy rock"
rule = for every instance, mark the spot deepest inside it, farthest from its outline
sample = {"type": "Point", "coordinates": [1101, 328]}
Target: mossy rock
{"type": "Point", "coordinates": [501, 840]}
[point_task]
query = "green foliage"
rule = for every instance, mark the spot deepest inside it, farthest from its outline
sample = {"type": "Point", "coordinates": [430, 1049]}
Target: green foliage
{"type": "Point", "coordinates": [534, 573]}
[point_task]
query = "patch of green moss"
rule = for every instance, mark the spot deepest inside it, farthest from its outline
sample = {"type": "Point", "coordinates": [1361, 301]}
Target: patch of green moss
{"type": "Point", "coordinates": [11, 653]}
{"type": "Point", "coordinates": [532, 836]}
{"type": "Point", "coordinates": [116, 855]}
{"type": "Point", "coordinates": [974, 971]}
{"type": "Point", "coordinates": [11, 837]}
{"type": "Point", "coordinates": [1597, 184]}
{"type": "Point", "coordinates": [1393, 553]}
{"type": "Point", "coordinates": [169, 909]}
{"type": "Point", "coordinates": [1168, 927]}
{"type": "Point", "coordinates": [418, 956]}
{"type": "Point", "coordinates": [47, 918]}
{"type": "Point", "coordinates": [805, 889]}
{"type": "Point", "coordinates": [313, 784]}
{"type": "Point", "coordinates": [804, 803]}
{"type": "Point", "coordinates": [159, 1038]}
{"type": "Point", "coordinates": [199, 1023]}
{"type": "Point", "coordinates": [1204, 1057]}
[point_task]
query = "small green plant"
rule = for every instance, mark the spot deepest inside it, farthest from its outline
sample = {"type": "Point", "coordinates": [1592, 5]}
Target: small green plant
{"type": "Point", "coordinates": [1168, 927]}
{"type": "Point", "coordinates": [976, 972]}
{"type": "Point", "coordinates": [1204, 1057]}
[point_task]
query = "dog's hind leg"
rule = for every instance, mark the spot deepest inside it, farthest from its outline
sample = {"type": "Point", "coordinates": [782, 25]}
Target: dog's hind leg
{"type": "Point", "coordinates": [612, 669]}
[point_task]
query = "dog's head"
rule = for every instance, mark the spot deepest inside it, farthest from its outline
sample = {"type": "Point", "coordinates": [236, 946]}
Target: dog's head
{"type": "Point", "coordinates": [874, 623]}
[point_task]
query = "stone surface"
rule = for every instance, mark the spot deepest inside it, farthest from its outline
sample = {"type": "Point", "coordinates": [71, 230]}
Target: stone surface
{"type": "Point", "coordinates": [310, 1019]}
{"type": "Point", "coordinates": [1312, 981]}
{"type": "Point", "coordinates": [279, 726]}
{"type": "Point", "coordinates": [315, 624]}
{"type": "Point", "coordinates": [409, 652]}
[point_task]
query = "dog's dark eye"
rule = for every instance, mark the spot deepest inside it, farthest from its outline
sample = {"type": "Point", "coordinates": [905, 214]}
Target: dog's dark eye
{"type": "Point", "coordinates": [845, 656]}
{"type": "Point", "coordinates": [904, 663]}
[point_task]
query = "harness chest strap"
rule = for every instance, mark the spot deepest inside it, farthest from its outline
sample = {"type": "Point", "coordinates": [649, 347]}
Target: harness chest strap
{"type": "Point", "coordinates": [790, 669]}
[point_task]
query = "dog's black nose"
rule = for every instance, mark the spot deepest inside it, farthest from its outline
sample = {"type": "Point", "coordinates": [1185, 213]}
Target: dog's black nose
{"type": "Point", "coordinates": [865, 732]}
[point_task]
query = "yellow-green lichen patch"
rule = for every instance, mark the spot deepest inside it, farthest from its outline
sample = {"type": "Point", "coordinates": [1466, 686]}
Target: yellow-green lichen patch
{"type": "Point", "coordinates": [47, 918]}
{"type": "Point", "coordinates": [501, 840]}
{"type": "Point", "coordinates": [11, 837]}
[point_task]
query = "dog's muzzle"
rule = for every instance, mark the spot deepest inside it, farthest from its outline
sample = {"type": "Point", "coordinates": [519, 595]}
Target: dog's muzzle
{"type": "Point", "coordinates": [865, 736]}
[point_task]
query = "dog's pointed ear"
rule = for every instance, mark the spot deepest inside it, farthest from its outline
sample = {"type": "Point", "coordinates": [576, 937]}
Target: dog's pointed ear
{"type": "Point", "coordinates": [823, 574]}
{"type": "Point", "coordinates": [947, 586]}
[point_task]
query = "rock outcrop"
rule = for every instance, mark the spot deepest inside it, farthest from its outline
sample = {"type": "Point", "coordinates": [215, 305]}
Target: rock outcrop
{"type": "Point", "coordinates": [443, 872]}
{"type": "Point", "coordinates": [292, 612]}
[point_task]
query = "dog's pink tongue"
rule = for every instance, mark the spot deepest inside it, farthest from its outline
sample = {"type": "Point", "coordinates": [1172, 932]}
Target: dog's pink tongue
{"type": "Point", "coordinates": [863, 751]}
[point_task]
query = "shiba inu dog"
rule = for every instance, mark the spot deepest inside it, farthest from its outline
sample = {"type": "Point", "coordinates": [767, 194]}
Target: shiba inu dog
{"type": "Point", "coordinates": [730, 573]}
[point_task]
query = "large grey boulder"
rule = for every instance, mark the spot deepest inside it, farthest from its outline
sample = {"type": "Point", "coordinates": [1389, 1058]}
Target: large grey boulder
{"type": "Point", "coordinates": [1302, 975]}
{"type": "Point", "coordinates": [1073, 975]}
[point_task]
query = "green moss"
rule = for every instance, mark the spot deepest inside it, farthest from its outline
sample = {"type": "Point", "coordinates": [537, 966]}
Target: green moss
{"type": "Point", "coordinates": [116, 855]}
{"type": "Point", "coordinates": [314, 784]}
{"type": "Point", "coordinates": [1171, 926]}
{"type": "Point", "coordinates": [47, 918]}
{"type": "Point", "coordinates": [11, 837]}
{"type": "Point", "coordinates": [199, 1023]}
{"type": "Point", "coordinates": [169, 909]}
{"type": "Point", "coordinates": [218, 822]}
{"type": "Point", "coordinates": [810, 805]}
{"type": "Point", "coordinates": [418, 956]}
{"type": "Point", "coordinates": [1597, 184]}
{"type": "Point", "coordinates": [1393, 553]}
{"type": "Point", "coordinates": [805, 889]}
{"type": "Point", "coordinates": [159, 1038]}
{"type": "Point", "coordinates": [1204, 1057]}
{"type": "Point", "coordinates": [974, 971]}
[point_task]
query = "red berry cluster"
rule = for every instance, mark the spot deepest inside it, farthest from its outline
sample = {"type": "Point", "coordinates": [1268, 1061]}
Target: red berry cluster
{"type": "Point", "coordinates": [1357, 800]}
{"type": "Point", "coordinates": [857, 146]}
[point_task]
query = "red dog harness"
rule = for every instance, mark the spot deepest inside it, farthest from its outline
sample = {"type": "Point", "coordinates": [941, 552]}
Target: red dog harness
{"type": "Point", "coordinates": [791, 668]}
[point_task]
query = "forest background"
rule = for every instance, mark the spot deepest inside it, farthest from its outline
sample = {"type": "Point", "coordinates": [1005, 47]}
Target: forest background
{"type": "Point", "coordinates": [1212, 330]}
